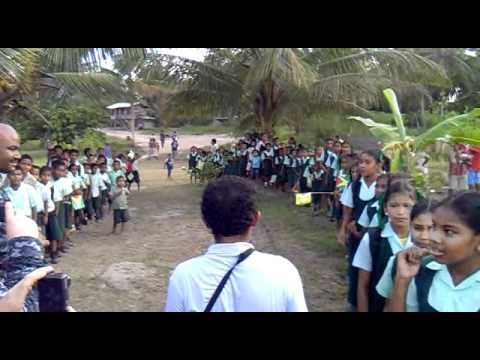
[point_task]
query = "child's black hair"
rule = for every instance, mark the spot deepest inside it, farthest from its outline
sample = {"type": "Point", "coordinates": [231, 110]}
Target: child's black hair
{"type": "Point", "coordinates": [58, 147]}
{"type": "Point", "coordinates": [26, 156]}
{"type": "Point", "coordinates": [13, 171]}
{"type": "Point", "coordinates": [57, 164]}
{"type": "Point", "coordinates": [71, 167]}
{"type": "Point", "coordinates": [87, 151]}
{"type": "Point", "coordinates": [375, 154]}
{"type": "Point", "coordinates": [117, 162]}
{"type": "Point", "coordinates": [399, 186]}
{"type": "Point", "coordinates": [228, 206]}
{"type": "Point", "coordinates": [466, 205]}
{"type": "Point", "coordinates": [423, 206]}
{"type": "Point", "coordinates": [45, 169]}
{"type": "Point", "coordinates": [74, 151]}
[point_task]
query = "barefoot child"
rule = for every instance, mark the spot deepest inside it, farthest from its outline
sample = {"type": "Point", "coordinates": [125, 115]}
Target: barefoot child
{"type": "Point", "coordinates": [120, 204]}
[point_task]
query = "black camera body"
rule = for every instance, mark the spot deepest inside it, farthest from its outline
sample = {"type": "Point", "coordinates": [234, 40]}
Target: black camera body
{"type": "Point", "coordinates": [54, 292]}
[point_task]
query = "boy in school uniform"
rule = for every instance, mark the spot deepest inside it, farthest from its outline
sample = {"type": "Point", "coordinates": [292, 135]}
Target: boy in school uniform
{"type": "Point", "coordinates": [120, 204]}
{"type": "Point", "coordinates": [96, 186]}
{"type": "Point", "coordinates": [105, 185]}
{"type": "Point", "coordinates": [21, 196]}
{"type": "Point", "coordinates": [52, 231]}
{"type": "Point", "coordinates": [114, 174]}
{"type": "Point", "coordinates": [62, 190]}
{"type": "Point", "coordinates": [87, 192]}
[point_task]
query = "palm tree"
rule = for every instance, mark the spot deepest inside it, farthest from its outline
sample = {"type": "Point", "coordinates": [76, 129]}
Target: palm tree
{"type": "Point", "coordinates": [267, 85]}
{"type": "Point", "coordinates": [29, 75]}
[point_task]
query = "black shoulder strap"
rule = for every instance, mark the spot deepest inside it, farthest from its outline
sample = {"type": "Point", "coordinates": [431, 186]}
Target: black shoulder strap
{"type": "Point", "coordinates": [220, 287]}
{"type": "Point", "coordinates": [356, 187]}
{"type": "Point", "coordinates": [423, 282]}
{"type": "Point", "coordinates": [375, 237]}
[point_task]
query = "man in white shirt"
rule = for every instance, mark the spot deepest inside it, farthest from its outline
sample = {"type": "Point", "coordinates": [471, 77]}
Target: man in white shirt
{"type": "Point", "coordinates": [260, 283]}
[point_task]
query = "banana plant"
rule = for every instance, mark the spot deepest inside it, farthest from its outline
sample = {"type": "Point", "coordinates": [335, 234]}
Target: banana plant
{"type": "Point", "coordinates": [403, 147]}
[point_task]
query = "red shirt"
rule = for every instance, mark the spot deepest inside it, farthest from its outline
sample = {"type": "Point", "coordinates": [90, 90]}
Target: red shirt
{"type": "Point", "coordinates": [475, 151]}
{"type": "Point", "coordinates": [457, 168]}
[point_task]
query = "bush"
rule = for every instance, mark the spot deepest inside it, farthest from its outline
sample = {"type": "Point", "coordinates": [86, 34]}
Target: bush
{"type": "Point", "coordinates": [92, 139]}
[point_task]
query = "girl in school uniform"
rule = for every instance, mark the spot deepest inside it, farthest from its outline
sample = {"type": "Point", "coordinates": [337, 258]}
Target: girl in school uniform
{"type": "Point", "coordinates": [243, 160]}
{"type": "Point", "coordinates": [279, 165]}
{"type": "Point", "coordinates": [369, 217]}
{"type": "Point", "coordinates": [316, 172]}
{"type": "Point", "coordinates": [449, 279]}
{"type": "Point", "coordinates": [304, 164]}
{"type": "Point", "coordinates": [290, 163]}
{"type": "Point", "coordinates": [354, 199]}
{"type": "Point", "coordinates": [267, 164]}
{"type": "Point", "coordinates": [378, 245]}
{"type": "Point", "coordinates": [421, 225]}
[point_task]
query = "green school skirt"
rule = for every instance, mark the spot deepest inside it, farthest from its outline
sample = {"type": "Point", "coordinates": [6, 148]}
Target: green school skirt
{"type": "Point", "coordinates": [291, 177]}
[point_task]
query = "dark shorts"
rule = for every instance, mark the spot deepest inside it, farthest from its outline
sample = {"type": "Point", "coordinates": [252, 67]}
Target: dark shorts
{"type": "Point", "coordinates": [61, 217]}
{"type": "Point", "coordinates": [120, 216]}
{"type": "Point", "coordinates": [52, 230]}
{"type": "Point", "coordinates": [135, 178]}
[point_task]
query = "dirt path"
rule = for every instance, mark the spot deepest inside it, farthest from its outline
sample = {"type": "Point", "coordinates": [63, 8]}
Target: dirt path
{"type": "Point", "coordinates": [130, 272]}
{"type": "Point", "coordinates": [185, 142]}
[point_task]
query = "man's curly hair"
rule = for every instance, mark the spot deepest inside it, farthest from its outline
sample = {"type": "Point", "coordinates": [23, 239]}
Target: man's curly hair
{"type": "Point", "coordinates": [228, 206]}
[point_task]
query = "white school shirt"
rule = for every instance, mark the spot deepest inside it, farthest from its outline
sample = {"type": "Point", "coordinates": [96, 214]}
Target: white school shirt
{"type": "Point", "coordinates": [96, 183]}
{"type": "Point", "coordinates": [45, 192]}
{"type": "Point", "coordinates": [36, 195]}
{"type": "Point", "coordinates": [135, 165]}
{"type": "Point", "coordinates": [363, 257]}
{"type": "Point", "coordinates": [62, 187]}
{"type": "Point", "coordinates": [367, 193]}
{"type": "Point", "coordinates": [23, 200]}
{"type": "Point", "coordinates": [261, 283]}
{"type": "Point", "coordinates": [105, 180]}
{"type": "Point", "coordinates": [364, 220]}
{"type": "Point", "coordinates": [444, 296]}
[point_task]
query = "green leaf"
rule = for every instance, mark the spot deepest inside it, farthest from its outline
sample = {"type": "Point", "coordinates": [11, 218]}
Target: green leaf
{"type": "Point", "coordinates": [393, 103]}
{"type": "Point", "coordinates": [383, 132]}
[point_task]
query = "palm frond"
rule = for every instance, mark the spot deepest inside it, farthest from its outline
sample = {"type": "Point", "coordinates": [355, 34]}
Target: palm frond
{"type": "Point", "coordinates": [93, 85]}
{"type": "Point", "coordinates": [71, 59]}
{"type": "Point", "coordinates": [445, 126]}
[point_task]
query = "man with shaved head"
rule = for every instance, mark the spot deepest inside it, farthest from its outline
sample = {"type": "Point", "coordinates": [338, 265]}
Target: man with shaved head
{"type": "Point", "coordinates": [21, 252]}
{"type": "Point", "coordinates": [9, 151]}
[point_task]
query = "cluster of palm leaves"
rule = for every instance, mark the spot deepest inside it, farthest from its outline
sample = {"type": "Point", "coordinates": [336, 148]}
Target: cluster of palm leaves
{"type": "Point", "coordinates": [30, 76]}
{"type": "Point", "coordinates": [260, 86]}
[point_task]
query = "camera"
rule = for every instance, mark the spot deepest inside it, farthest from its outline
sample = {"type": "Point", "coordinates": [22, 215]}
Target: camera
{"type": "Point", "coordinates": [54, 292]}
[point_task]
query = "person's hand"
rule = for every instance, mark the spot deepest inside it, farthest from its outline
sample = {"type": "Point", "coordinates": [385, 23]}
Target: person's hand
{"type": "Point", "coordinates": [342, 237]}
{"type": "Point", "coordinates": [15, 298]}
{"type": "Point", "coordinates": [18, 225]}
{"type": "Point", "coordinates": [409, 261]}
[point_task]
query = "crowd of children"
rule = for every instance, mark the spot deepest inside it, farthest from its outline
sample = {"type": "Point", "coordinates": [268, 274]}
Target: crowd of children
{"type": "Point", "coordinates": [68, 193]}
{"type": "Point", "coordinates": [405, 252]}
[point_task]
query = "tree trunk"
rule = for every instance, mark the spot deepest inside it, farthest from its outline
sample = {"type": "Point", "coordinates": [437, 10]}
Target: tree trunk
{"type": "Point", "coordinates": [132, 130]}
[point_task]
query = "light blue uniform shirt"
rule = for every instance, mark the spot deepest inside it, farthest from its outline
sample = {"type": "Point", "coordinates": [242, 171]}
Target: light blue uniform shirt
{"type": "Point", "coordinates": [444, 296]}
